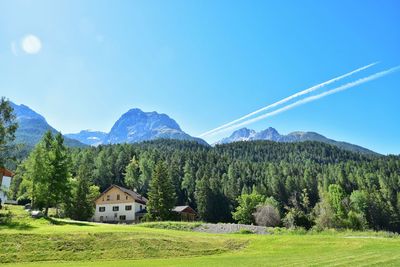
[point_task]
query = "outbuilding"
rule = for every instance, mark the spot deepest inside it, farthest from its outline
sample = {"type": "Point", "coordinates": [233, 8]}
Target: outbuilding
{"type": "Point", "coordinates": [185, 213]}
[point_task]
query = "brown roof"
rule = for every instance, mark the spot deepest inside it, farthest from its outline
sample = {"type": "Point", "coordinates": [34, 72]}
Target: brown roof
{"type": "Point", "coordinates": [6, 172]}
{"type": "Point", "coordinates": [186, 209]}
{"type": "Point", "coordinates": [136, 196]}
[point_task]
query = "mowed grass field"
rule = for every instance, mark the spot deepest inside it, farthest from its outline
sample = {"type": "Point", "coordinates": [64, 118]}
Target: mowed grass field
{"type": "Point", "coordinates": [28, 242]}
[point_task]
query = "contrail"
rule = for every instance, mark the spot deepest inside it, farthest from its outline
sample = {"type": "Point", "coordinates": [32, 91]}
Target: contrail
{"type": "Point", "coordinates": [313, 98]}
{"type": "Point", "coordinates": [306, 91]}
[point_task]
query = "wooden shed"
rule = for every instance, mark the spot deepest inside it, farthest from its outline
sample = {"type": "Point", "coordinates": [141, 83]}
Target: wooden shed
{"type": "Point", "coordinates": [186, 213]}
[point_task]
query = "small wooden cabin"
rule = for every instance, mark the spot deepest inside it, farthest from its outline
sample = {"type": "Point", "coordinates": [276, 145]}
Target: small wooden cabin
{"type": "Point", "coordinates": [186, 213]}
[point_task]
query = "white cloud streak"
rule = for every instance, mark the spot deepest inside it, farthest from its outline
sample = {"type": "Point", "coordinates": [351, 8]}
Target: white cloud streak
{"type": "Point", "coordinates": [312, 98]}
{"type": "Point", "coordinates": [280, 102]}
{"type": "Point", "coordinates": [14, 48]}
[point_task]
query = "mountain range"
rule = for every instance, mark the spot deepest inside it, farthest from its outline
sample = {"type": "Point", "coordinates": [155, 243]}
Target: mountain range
{"type": "Point", "coordinates": [271, 134]}
{"type": "Point", "coordinates": [89, 137]}
{"type": "Point", "coordinates": [32, 126]}
{"type": "Point", "coordinates": [137, 126]}
{"type": "Point", "coordinates": [132, 127]}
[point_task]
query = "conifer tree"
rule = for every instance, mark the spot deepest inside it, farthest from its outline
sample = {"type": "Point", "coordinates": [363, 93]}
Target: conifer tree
{"type": "Point", "coordinates": [82, 202]}
{"type": "Point", "coordinates": [203, 199]}
{"type": "Point", "coordinates": [161, 194]}
{"type": "Point", "coordinates": [189, 183]}
{"type": "Point", "coordinates": [59, 183]}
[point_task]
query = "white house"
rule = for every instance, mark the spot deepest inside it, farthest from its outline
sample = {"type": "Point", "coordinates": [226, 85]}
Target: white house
{"type": "Point", "coordinates": [117, 204]}
{"type": "Point", "coordinates": [5, 182]}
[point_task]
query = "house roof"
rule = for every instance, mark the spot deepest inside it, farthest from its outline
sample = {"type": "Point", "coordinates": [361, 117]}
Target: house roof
{"type": "Point", "coordinates": [5, 172]}
{"type": "Point", "coordinates": [187, 209]}
{"type": "Point", "coordinates": [136, 196]}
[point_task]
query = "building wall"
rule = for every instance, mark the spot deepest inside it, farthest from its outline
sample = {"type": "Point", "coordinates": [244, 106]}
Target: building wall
{"type": "Point", "coordinates": [114, 216]}
{"type": "Point", "coordinates": [5, 183]}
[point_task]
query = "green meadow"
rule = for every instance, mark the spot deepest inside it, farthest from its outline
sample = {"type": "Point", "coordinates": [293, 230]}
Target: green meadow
{"type": "Point", "coordinates": [55, 242]}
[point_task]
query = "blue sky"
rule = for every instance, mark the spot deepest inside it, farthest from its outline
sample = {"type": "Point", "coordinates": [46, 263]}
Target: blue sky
{"type": "Point", "coordinates": [204, 63]}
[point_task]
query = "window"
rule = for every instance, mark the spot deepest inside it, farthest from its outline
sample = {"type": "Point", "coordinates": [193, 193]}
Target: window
{"type": "Point", "coordinates": [122, 218]}
{"type": "Point", "coordinates": [126, 196]}
{"type": "Point", "coordinates": [108, 197]}
{"type": "Point", "coordinates": [129, 207]}
{"type": "Point", "coordinates": [118, 197]}
{"type": "Point", "coordinates": [115, 208]}
{"type": "Point", "coordinates": [141, 207]}
{"type": "Point", "coordinates": [102, 209]}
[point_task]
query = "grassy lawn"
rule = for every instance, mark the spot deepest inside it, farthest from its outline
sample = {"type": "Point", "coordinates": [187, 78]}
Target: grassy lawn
{"type": "Point", "coordinates": [28, 242]}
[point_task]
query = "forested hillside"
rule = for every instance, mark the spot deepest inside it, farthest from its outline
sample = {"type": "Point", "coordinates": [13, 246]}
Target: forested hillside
{"type": "Point", "coordinates": [313, 183]}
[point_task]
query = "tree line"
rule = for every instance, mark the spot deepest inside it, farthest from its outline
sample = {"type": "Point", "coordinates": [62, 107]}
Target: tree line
{"type": "Point", "coordinates": [306, 184]}
{"type": "Point", "coordinates": [310, 184]}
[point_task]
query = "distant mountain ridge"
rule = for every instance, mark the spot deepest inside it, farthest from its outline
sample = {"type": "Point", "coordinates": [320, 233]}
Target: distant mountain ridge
{"type": "Point", "coordinates": [271, 134]}
{"type": "Point", "coordinates": [136, 126]}
{"type": "Point", "coordinates": [88, 137]}
{"type": "Point", "coordinates": [32, 126]}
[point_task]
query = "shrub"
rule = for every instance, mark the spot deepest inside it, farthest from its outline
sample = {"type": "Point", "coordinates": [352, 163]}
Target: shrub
{"type": "Point", "coordinates": [247, 206]}
{"type": "Point", "coordinates": [245, 232]}
{"type": "Point", "coordinates": [180, 226]}
{"type": "Point", "coordinates": [5, 218]}
{"type": "Point", "coordinates": [356, 221]}
{"type": "Point", "coordinates": [267, 215]}
{"type": "Point", "coordinates": [324, 214]}
{"type": "Point", "coordinates": [297, 218]}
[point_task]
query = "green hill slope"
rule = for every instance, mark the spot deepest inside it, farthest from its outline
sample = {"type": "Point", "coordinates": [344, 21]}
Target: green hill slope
{"type": "Point", "coordinates": [54, 242]}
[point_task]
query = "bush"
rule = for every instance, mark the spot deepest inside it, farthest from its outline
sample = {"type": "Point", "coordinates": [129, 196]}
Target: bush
{"type": "Point", "coordinates": [267, 215]}
{"type": "Point", "coordinates": [286, 231]}
{"type": "Point", "coordinates": [324, 215]}
{"type": "Point", "coordinates": [297, 218]}
{"type": "Point", "coordinates": [244, 232]}
{"type": "Point", "coordinates": [356, 221]}
{"type": "Point", "coordinates": [247, 206]}
{"type": "Point", "coordinates": [180, 226]}
{"type": "Point", "coordinates": [5, 218]}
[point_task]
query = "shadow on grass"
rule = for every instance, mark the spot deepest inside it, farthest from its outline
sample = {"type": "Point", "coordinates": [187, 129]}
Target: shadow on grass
{"type": "Point", "coordinates": [7, 222]}
{"type": "Point", "coordinates": [16, 226]}
{"type": "Point", "coordinates": [61, 222]}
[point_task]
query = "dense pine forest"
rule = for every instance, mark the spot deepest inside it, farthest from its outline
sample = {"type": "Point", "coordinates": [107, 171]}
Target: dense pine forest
{"type": "Point", "coordinates": [309, 184]}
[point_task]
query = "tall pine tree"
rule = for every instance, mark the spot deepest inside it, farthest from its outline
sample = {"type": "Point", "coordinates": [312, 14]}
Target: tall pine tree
{"type": "Point", "coordinates": [59, 183]}
{"type": "Point", "coordinates": [161, 194]}
{"type": "Point", "coordinates": [82, 207]}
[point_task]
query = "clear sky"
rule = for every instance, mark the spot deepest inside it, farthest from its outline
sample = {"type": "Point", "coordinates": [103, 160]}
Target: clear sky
{"type": "Point", "coordinates": [81, 64]}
